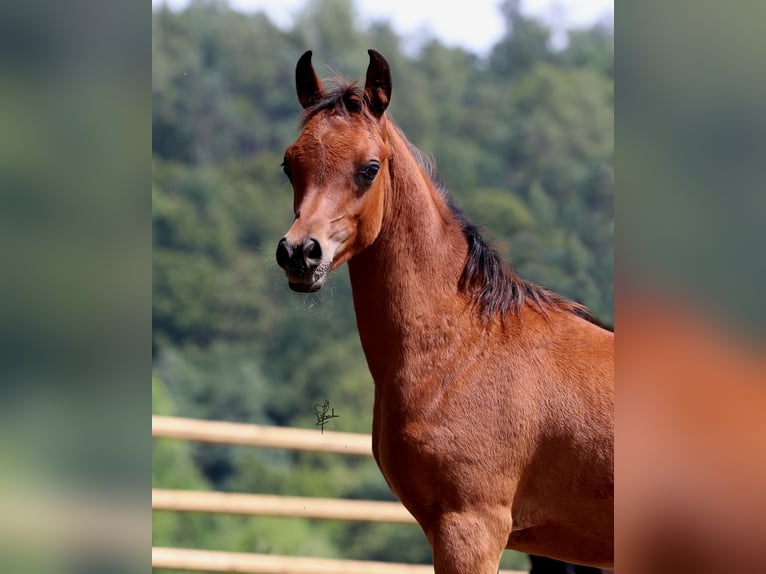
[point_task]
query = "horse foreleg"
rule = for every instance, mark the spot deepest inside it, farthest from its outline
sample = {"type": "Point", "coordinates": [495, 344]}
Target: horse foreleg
{"type": "Point", "coordinates": [466, 544]}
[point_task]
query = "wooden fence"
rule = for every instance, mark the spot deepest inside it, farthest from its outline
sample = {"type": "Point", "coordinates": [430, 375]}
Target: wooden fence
{"type": "Point", "coordinates": [262, 436]}
{"type": "Point", "coordinates": [257, 504]}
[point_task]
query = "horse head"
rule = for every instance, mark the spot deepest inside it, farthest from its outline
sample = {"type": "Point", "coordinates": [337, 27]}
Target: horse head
{"type": "Point", "coordinates": [338, 168]}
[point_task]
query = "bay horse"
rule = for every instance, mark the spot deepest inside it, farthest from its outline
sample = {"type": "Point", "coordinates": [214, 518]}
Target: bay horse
{"type": "Point", "coordinates": [493, 412]}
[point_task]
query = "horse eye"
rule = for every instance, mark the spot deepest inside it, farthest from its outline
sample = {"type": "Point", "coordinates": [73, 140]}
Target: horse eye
{"type": "Point", "coordinates": [286, 169]}
{"type": "Point", "coordinates": [369, 172]}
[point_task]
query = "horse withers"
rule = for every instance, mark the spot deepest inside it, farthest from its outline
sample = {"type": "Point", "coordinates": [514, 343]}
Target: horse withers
{"type": "Point", "coordinates": [494, 403]}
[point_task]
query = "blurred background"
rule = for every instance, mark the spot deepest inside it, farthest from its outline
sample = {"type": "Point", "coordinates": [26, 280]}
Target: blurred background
{"type": "Point", "coordinates": [515, 103]}
{"type": "Point", "coordinates": [85, 87]}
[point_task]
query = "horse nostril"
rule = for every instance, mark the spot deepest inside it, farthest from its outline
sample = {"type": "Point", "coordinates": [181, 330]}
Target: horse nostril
{"type": "Point", "coordinates": [284, 253]}
{"type": "Point", "coordinates": [312, 253]}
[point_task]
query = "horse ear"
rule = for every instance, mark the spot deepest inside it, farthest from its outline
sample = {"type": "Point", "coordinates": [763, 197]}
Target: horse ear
{"type": "Point", "coordinates": [308, 85]}
{"type": "Point", "coordinates": [377, 86]}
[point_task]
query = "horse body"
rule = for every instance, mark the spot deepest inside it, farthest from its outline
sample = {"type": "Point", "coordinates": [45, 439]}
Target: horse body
{"type": "Point", "coordinates": [493, 414]}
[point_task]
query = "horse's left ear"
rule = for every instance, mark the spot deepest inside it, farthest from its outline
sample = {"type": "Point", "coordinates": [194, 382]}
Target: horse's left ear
{"type": "Point", "coordinates": [377, 86]}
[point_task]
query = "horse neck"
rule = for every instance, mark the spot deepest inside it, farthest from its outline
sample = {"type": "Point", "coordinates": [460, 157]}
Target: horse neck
{"type": "Point", "coordinates": [406, 283]}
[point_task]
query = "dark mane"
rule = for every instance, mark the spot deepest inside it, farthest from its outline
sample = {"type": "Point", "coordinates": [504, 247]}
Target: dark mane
{"type": "Point", "coordinates": [342, 98]}
{"type": "Point", "coordinates": [492, 285]}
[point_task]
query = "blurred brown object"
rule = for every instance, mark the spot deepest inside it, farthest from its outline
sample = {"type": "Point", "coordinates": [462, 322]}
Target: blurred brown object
{"type": "Point", "coordinates": [690, 441]}
{"type": "Point", "coordinates": [544, 565]}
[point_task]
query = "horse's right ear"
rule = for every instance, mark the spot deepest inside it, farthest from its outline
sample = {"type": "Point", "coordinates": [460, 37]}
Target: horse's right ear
{"type": "Point", "coordinates": [309, 86]}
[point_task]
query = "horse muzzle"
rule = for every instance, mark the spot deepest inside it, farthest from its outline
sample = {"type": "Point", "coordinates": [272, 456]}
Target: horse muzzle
{"type": "Point", "coordinates": [302, 263]}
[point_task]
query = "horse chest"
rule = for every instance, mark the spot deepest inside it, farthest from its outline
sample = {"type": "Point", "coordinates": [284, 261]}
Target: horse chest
{"type": "Point", "coordinates": [409, 465]}
{"type": "Point", "coordinates": [427, 462]}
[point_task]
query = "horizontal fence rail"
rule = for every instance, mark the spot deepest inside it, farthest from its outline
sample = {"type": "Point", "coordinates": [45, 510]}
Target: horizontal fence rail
{"type": "Point", "coordinates": [241, 434]}
{"type": "Point", "coordinates": [213, 561]}
{"type": "Point", "coordinates": [269, 505]}
{"type": "Point", "coordinates": [263, 436]}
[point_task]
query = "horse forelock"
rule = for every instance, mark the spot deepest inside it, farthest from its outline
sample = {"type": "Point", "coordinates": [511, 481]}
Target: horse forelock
{"type": "Point", "coordinates": [342, 98]}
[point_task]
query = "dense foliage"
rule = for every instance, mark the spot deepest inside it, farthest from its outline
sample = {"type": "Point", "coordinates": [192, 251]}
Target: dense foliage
{"type": "Point", "coordinates": [522, 137]}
